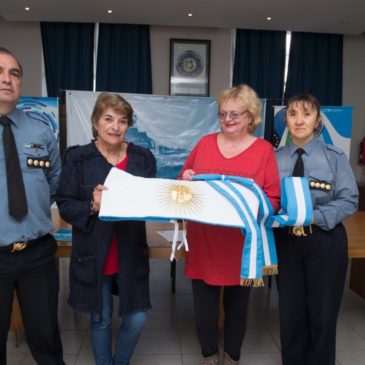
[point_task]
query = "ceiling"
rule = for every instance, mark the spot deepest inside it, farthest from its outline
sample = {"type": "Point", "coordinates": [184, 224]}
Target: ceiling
{"type": "Point", "coordinates": [327, 16]}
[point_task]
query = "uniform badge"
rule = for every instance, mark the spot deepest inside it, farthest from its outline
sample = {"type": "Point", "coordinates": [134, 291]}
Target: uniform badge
{"type": "Point", "coordinates": [34, 148]}
{"type": "Point", "coordinates": [37, 156]}
{"type": "Point", "coordinates": [38, 163]}
{"type": "Point", "coordinates": [320, 185]}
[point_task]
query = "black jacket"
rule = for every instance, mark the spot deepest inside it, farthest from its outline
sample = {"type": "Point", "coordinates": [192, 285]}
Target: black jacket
{"type": "Point", "coordinates": [83, 168]}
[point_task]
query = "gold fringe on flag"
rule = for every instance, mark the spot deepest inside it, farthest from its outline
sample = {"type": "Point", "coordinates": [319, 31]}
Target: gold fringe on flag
{"type": "Point", "coordinates": [254, 283]}
{"type": "Point", "coordinates": [270, 270]}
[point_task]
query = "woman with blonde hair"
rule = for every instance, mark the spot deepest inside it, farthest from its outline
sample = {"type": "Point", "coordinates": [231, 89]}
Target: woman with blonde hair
{"type": "Point", "coordinates": [214, 257]}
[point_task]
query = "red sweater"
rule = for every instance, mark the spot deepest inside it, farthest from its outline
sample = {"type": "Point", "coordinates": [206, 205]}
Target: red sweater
{"type": "Point", "coordinates": [111, 264]}
{"type": "Point", "coordinates": [215, 252]}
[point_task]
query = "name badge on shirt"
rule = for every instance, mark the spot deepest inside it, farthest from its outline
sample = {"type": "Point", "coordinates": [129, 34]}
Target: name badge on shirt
{"type": "Point", "coordinates": [35, 149]}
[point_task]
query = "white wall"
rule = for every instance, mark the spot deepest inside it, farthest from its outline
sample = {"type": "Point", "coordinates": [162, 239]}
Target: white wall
{"type": "Point", "coordinates": [24, 40]}
{"type": "Point", "coordinates": [354, 94]}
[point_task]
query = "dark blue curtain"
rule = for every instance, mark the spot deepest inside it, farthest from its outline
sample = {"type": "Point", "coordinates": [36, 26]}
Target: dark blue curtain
{"type": "Point", "coordinates": [259, 62]}
{"type": "Point", "coordinates": [124, 59]}
{"type": "Point", "coordinates": [68, 56]}
{"type": "Point", "coordinates": [315, 65]}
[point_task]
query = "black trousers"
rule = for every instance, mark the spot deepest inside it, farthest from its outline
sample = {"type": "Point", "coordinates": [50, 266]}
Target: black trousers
{"type": "Point", "coordinates": [312, 272]}
{"type": "Point", "coordinates": [206, 306]}
{"type": "Point", "coordinates": [32, 273]}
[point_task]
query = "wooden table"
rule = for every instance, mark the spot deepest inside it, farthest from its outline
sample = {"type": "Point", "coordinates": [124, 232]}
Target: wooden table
{"type": "Point", "coordinates": [355, 226]}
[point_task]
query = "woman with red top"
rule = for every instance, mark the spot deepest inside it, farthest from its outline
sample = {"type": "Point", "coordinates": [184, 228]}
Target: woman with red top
{"type": "Point", "coordinates": [214, 257]}
{"type": "Point", "coordinates": [106, 256]}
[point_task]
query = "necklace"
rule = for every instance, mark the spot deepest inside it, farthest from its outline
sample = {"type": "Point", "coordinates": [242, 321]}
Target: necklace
{"type": "Point", "coordinates": [116, 157]}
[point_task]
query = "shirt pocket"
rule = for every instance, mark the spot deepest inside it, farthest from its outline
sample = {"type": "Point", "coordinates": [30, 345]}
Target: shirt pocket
{"type": "Point", "coordinates": [84, 269]}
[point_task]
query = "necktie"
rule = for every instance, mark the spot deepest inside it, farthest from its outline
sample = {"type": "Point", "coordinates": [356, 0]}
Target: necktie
{"type": "Point", "coordinates": [299, 165]}
{"type": "Point", "coordinates": [16, 193]}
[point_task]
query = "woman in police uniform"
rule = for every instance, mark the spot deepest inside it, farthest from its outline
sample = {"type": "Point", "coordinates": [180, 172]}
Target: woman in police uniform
{"type": "Point", "coordinates": [313, 259]}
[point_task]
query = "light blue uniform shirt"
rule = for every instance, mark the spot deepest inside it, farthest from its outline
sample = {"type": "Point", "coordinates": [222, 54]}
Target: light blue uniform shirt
{"type": "Point", "coordinates": [327, 165]}
{"type": "Point", "coordinates": [34, 139]}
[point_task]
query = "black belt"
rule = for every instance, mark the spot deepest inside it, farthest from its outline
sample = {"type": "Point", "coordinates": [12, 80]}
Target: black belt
{"type": "Point", "coordinates": [20, 245]}
{"type": "Point", "coordinates": [302, 231]}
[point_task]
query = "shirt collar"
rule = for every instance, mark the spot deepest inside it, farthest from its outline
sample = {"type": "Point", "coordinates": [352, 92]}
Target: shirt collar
{"type": "Point", "coordinates": [308, 148]}
{"type": "Point", "coordinates": [14, 117]}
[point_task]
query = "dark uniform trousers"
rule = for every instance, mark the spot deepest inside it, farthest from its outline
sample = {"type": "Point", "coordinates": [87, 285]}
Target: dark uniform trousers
{"type": "Point", "coordinates": [312, 271]}
{"type": "Point", "coordinates": [32, 273]}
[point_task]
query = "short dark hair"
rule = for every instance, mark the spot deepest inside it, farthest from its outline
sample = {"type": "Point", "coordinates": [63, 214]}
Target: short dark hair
{"type": "Point", "coordinates": [113, 101]}
{"type": "Point", "coordinates": [4, 50]}
{"type": "Point", "coordinates": [305, 98]}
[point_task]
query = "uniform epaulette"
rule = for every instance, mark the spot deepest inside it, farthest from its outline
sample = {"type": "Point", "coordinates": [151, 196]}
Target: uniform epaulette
{"type": "Point", "coordinates": [335, 149]}
{"type": "Point", "coordinates": [34, 117]}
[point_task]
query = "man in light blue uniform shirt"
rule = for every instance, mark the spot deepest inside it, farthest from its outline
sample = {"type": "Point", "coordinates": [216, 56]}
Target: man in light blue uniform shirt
{"type": "Point", "coordinates": [27, 249]}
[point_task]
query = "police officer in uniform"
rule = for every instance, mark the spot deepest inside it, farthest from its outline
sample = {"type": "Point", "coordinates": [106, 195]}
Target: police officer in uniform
{"type": "Point", "coordinates": [29, 172]}
{"type": "Point", "coordinates": [313, 259]}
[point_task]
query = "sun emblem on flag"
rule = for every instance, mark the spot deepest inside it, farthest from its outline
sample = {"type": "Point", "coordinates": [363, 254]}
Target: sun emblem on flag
{"type": "Point", "coordinates": [180, 196]}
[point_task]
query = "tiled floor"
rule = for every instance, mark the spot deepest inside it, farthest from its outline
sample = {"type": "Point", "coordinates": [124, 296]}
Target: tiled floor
{"type": "Point", "coordinates": [169, 337]}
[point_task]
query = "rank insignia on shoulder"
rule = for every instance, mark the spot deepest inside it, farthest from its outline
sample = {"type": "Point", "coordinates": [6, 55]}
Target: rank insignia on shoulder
{"type": "Point", "coordinates": [320, 185]}
{"type": "Point", "coordinates": [38, 163]}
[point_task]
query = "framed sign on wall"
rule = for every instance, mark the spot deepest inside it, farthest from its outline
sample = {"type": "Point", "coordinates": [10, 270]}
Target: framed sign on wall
{"type": "Point", "coordinates": [189, 67]}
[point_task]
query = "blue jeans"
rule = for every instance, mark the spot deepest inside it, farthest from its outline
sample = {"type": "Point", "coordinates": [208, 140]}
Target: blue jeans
{"type": "Point", "coordinates": [101, 335]}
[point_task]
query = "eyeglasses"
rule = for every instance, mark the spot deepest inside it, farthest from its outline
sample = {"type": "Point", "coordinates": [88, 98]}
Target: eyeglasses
{"type": "Point", "coordinates": [231, 115]}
